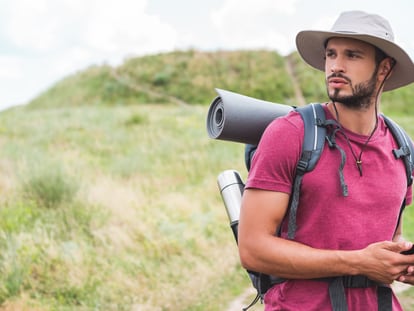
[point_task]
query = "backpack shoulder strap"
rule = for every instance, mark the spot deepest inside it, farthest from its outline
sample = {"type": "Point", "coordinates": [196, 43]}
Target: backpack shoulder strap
{"type": "Point", "coordinates": [313, 117]}
{"type": "Point", "coordinates": [405, 149]}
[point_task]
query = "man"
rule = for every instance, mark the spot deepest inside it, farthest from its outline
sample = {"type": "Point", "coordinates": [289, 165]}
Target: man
{"type": "Point", "coordinates": [348, 214]}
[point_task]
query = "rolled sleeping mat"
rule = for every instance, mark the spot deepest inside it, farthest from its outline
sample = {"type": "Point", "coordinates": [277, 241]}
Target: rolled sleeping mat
{"type": "Point", "coordinates": [239, 118]}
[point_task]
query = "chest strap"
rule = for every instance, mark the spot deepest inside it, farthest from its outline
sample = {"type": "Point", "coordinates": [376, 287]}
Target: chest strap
{"type": "Point", "coordinates": [337, 287]}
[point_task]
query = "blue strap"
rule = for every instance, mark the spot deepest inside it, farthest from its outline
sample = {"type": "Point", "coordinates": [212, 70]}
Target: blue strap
{"type": "Point", "coordinates": [405, 145]}
{"type": "Point", "coordinates": [313, 117]}
{"type": "Point", "coordinates": [337, 295]}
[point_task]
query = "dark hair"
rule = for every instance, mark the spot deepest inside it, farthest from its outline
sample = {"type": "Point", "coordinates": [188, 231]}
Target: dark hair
{"type": "Point", "coordinates": [379, 55]}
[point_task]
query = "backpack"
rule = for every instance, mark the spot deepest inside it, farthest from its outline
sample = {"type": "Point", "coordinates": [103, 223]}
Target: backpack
{"type": "Point", "coordinates": [315, 135]}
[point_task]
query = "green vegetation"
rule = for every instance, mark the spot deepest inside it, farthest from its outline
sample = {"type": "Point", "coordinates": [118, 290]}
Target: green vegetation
{"type": "Point", "coordinates": [108, 184]}
{"type": "Point", "coordinates": [183, 77]}
{"type": "Point", "coordinates": [189, 77]}
{"type": "Point", "coordinates": [111, 208]}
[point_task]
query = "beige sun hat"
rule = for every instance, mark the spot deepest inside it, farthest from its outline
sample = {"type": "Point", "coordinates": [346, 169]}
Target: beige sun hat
{"type": "Point", "coordinates": [369, 28]}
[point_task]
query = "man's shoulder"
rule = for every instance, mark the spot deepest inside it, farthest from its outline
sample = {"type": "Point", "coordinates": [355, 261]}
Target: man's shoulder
{"type": "Point", "coordinates": [290, 121]}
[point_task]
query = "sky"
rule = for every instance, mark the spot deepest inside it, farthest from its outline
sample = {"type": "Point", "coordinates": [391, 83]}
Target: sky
{"type": "Point", "coordinates": [43, 41]}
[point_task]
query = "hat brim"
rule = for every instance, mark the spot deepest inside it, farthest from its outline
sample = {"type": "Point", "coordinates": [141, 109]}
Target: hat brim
{"type": "Point", "coordinates": [310, 45]}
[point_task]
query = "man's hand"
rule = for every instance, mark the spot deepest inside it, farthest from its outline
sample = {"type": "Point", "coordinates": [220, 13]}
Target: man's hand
{"type": "Point", "coordinates": [384, 263]}
{"type": "Point", "coordinates": [408, 277]}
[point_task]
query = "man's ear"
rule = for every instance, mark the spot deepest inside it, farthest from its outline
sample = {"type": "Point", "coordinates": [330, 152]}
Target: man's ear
{"type": "Point", "coordinates": [386, 66]}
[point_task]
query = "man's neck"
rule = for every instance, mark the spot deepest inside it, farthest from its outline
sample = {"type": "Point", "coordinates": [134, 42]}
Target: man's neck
{"type": "Point", "coordinates": [359, 121]}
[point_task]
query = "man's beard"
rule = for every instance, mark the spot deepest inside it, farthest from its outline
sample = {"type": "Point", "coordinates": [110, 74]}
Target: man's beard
{"type": "Point", "coordinates": [362, 93]}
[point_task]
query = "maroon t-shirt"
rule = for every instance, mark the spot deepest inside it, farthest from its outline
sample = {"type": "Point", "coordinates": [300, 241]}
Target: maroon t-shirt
{"type": "Point", "coordinates": [326, 219]}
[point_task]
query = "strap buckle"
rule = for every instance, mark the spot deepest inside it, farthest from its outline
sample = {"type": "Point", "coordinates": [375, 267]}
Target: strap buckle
{"type": "Point", "coordinates": [402, 152]}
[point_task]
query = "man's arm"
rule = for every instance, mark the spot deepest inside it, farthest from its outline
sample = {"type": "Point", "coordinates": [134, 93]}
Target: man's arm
{"type": "Point", "coordinates": [260, 250]}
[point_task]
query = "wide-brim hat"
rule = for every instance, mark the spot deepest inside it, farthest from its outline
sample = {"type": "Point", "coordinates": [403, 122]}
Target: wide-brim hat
{"type": "Point", "coordinates": [369, 28]}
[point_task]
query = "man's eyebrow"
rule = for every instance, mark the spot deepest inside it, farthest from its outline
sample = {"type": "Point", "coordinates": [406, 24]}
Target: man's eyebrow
{"type": "Point", "coordinates": [355, 51]}
{"type": "Point", "coordinates": [348, 50]}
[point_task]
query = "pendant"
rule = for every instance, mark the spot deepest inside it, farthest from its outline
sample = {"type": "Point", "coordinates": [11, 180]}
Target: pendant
{"type": "Point", "coordinates": [359, 165]}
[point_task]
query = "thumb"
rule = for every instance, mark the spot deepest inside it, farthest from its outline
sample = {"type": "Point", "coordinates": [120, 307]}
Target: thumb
{"type": "Point", "coordinates": [408, 250]}
{"type": "Point", "coordinates": [397, 247]}
{"type": "Point", "coordinates": [403, 246]}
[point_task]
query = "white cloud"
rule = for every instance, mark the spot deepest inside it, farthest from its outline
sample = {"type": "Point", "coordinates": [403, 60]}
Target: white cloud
{"type": "Point", "coordinates": [30, 24]}
{"type": "Point", "coordinates": [254, 23]}
{"type": "Point", "coordinates": [324, 22]}
{"type": "Point", "coordinates": [121, 27]}
{"type": "Point", "coordinates": [243, 11]}
{"type": "Point", "coordinates": [71, 60]}
{"type": "Point", "coordinates": [10, 67]}
{"type": "Point", "coordinates": [109, 27]}
{"type": "Point", "coordinates": [59, 37]}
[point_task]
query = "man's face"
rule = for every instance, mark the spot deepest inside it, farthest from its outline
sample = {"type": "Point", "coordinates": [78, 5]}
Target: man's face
{"type": "Point", "coordinates": [351, 72]}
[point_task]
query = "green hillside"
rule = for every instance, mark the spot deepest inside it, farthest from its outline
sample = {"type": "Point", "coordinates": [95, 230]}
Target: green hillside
{"type": "Point", "coordinates": [108, 184]}
{"type": "Point", "coordinates": [189, 77]}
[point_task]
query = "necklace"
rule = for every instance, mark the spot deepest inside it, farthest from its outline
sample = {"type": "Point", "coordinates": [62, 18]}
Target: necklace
{"type": "Point", "coordinates": [358, 159]}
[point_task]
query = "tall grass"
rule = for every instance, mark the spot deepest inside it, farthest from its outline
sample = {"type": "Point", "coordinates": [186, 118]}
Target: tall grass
{"type": "Point", "coordinates": [48, 185]}
{"type": "Point", "coordinates": [123, 213]}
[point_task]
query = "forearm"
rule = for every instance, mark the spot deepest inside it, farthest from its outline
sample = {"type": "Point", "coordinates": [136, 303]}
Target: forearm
{"type": "Point", "coordinates": [381, 262]}
{"type": "Point", "coordinates": [292, 260]}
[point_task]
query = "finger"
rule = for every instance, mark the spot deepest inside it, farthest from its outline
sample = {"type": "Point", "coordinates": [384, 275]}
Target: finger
{"type": "Point", "coordinates": [401, 278]}
{"type": "Point", "coordinates": [410, 270]}
{"type": "Point", "coordinates": [405, 246]}
{"type": "Point", "coordinates": [406, 279]}
{"type": "Point", "coordinates": [397, 247]}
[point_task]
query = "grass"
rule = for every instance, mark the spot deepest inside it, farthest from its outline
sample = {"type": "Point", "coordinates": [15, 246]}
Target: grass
{"type": "Point", "coordinates": [109, 208]}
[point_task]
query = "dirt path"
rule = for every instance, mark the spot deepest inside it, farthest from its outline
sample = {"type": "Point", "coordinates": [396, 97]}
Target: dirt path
{"type": "Point", "coordinates": [243, 301]}
{"type": "Point", "coordinates": [300, 100]}
{"type": "Point", "coordinates": [124, 80]}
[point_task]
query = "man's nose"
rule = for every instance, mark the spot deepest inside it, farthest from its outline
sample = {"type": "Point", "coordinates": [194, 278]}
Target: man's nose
{"type": "Point", "coordinates": [337, 65]}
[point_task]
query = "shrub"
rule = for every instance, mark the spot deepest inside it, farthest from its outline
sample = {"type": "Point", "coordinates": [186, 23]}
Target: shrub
{"type": "Point", "coordinates": [49, 186]}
